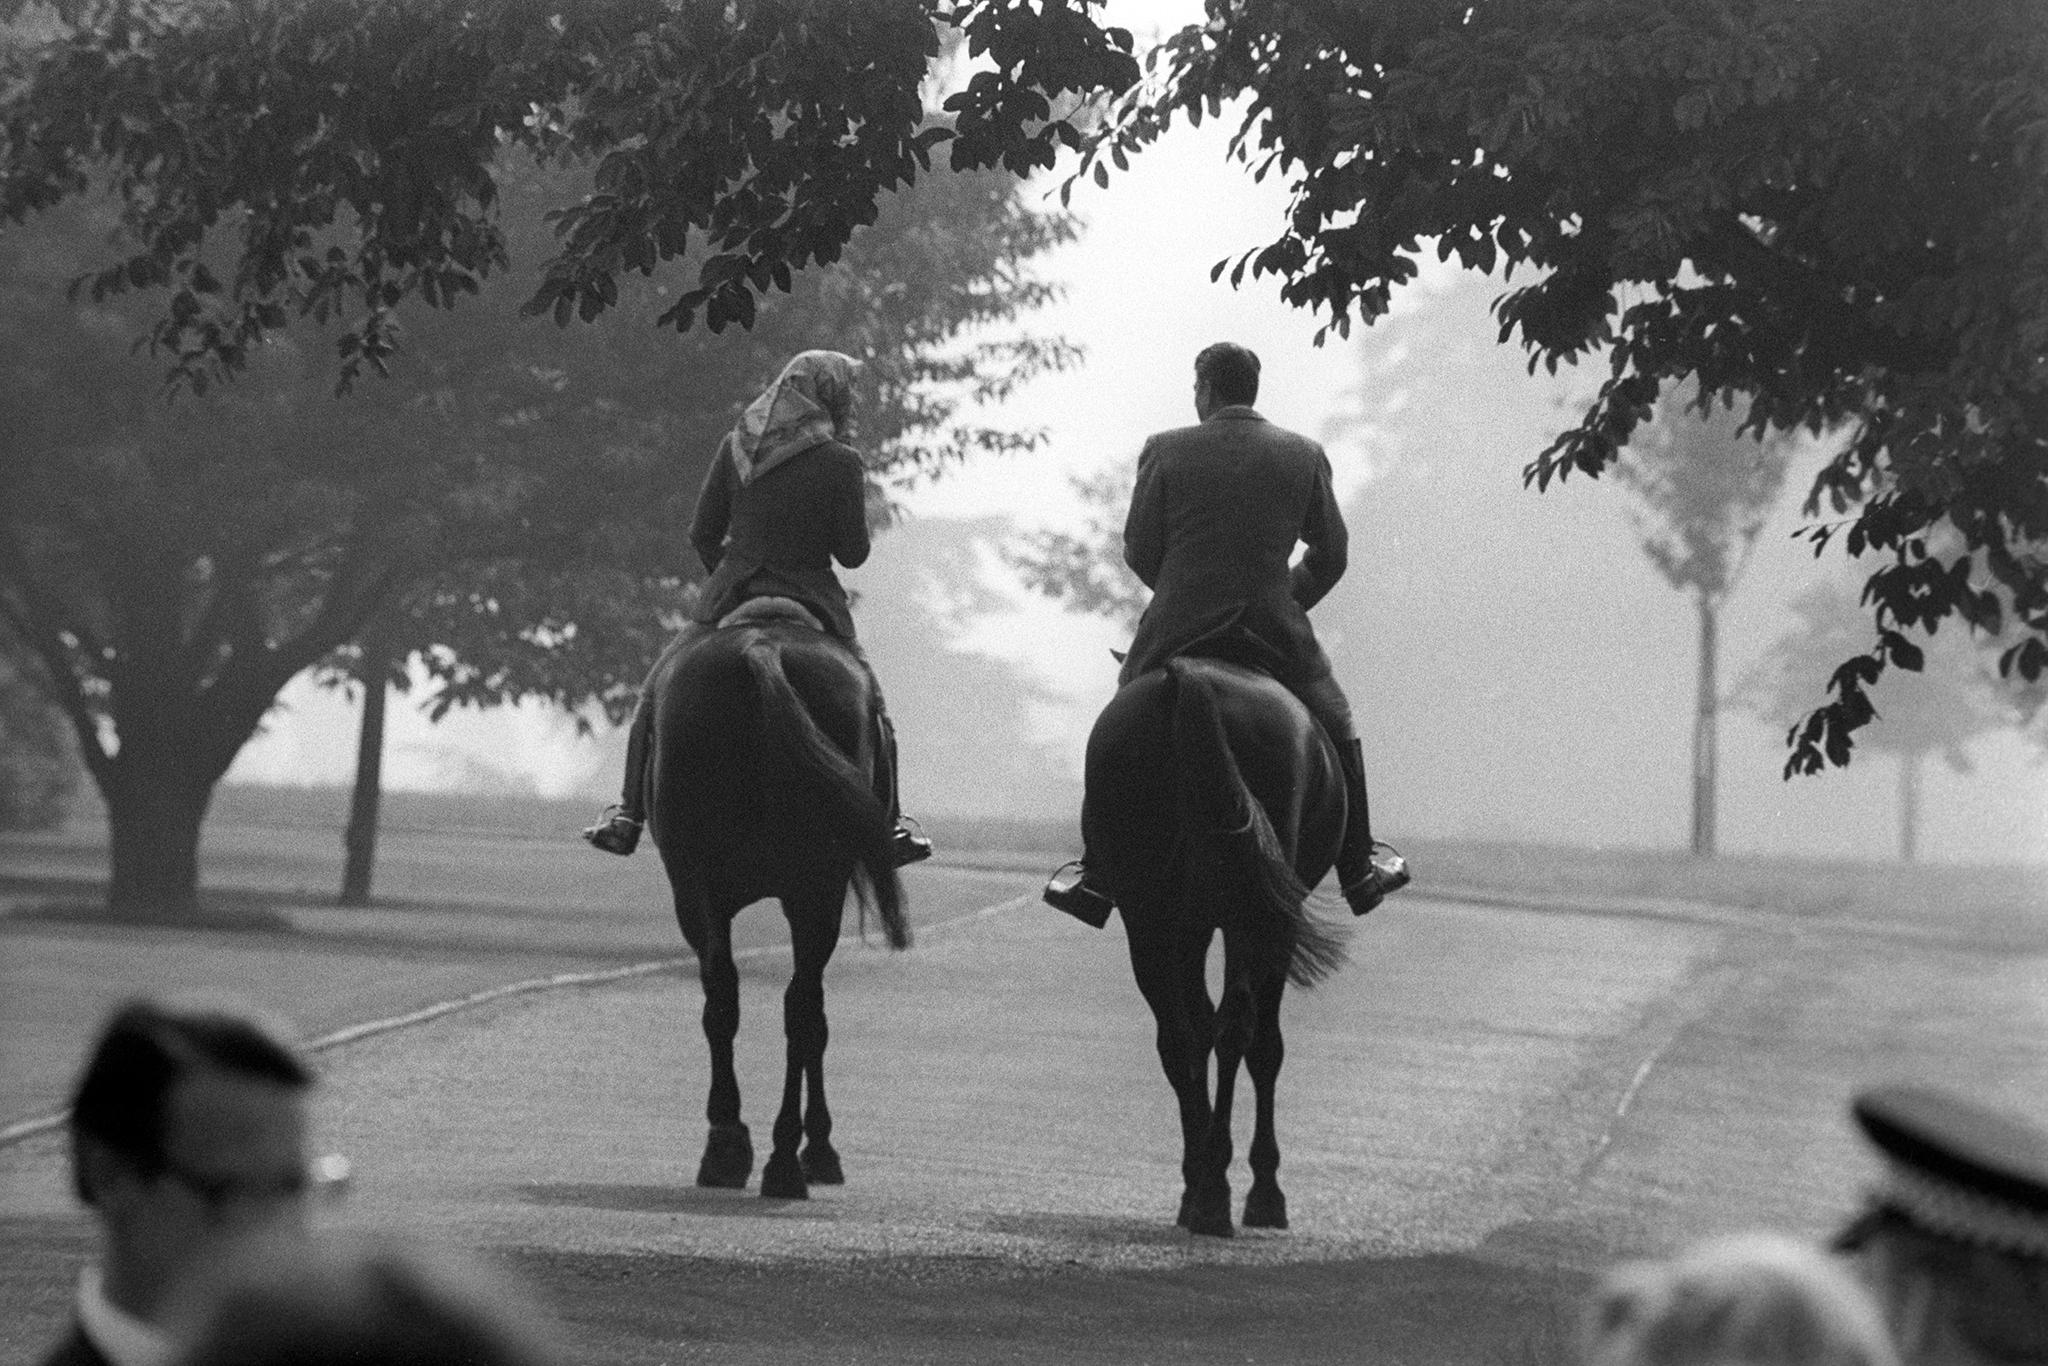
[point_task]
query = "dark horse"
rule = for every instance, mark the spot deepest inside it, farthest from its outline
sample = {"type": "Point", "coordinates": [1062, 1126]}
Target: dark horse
{"type": "Point", "coordinates": [1215, 803]}
{"type": "Point", "coordinates": [764, 783]}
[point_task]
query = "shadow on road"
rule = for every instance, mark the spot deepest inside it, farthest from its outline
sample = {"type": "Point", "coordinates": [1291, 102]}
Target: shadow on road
{"type": "Point", "coordinates": [1444, 1310]}
{"type": "Point", "coordinates": [650, 1199]}
{"type": "Point", "coordinates": [1101, 1231]}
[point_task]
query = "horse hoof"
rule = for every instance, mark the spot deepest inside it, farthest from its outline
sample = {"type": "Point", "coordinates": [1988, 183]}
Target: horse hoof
{"type": "Point", "coordinates": [783, 1179]}
{"type": "Point", "coordinates": [1206, 1214]}
{"type": "Point", "coordinates": [1265, 1209]}
{"type": "Point", "coordinates": [821, 1166]}
{"type": "Point", "coordinates": [728, 1158]}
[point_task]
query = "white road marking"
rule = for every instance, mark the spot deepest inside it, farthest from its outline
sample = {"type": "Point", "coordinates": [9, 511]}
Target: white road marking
{"type": "Point", "coordinates": [1628, 1097]}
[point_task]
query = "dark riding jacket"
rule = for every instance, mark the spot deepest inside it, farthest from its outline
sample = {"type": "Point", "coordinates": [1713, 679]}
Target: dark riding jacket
{"type": "Point", "coordinates": [778, 535]}
{"type": "Point", "coordinates": [1214, 520]}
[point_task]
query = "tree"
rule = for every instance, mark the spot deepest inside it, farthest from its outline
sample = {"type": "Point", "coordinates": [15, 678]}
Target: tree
{"type": "Point", "coordinates": [1834, 211]}
{"type": "Point", "coordinates": [38, 770]}
{"type": "Point", "coordinates": [1085, 569]}
{"type": "Point", "coordinates": [518, 493]}
{"type": "Point", "coordinates": [348, 154]}
{"type": "Point", "coordinates": [1705, 491]}
{"type": "Point", "coordinates": [1936, 710]}
{"type": "Point", "coordinates": [947, 259]}
{"type": "Point", "coordinates": [377, 668]}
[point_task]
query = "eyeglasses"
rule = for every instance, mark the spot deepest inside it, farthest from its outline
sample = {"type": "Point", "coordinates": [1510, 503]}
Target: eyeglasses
{"type": "Point", "coordinates": [323, 1179]}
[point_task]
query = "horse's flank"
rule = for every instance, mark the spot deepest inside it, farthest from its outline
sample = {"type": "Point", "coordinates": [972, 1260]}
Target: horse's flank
{"type": "Point", "coordinates": [1213, 799]}
{"type": "Point", "coordinates": [764, 773]}
{"type": "Point", "coordinates": [1219, 809]}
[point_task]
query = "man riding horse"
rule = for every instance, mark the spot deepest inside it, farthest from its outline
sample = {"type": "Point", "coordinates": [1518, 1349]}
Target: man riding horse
{"type": "Point", "coordinates": [1214, 520]}
{"type": "Point", "coordinates": [783, 499]}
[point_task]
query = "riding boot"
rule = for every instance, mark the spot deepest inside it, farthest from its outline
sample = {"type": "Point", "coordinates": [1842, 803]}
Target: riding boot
{"type": "Point", "coordinates": [908, 842]}
{"type": "Point", "coordinates": [1365, 880]}
{"type": "Point", "coordinates": [618, 829]}
{"type": "Point", "coordinates": [1072, 890]}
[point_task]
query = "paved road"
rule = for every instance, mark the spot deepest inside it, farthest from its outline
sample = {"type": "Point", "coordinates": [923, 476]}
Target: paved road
{"type": "Point", "coordinates": [1489, 1103]}
{"type": "Point", "coordinates": [458, 912]}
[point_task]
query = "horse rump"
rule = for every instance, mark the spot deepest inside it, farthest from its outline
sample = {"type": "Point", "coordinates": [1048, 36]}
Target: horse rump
{"type": "Point", "coordinates": [841, 785]}
{"type": "Point", "coordinates": [1224, 820]}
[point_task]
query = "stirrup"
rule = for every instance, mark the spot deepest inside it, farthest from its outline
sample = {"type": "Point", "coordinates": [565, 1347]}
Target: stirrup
{"type": "Point", "coordinates": [616, 833]}
{"type": "Point", "coordinates": [1070, 890]}
{"type": "Point", "coordinates": [909, 842]}
{"type": "Point", "coordinates": [1385, 873]}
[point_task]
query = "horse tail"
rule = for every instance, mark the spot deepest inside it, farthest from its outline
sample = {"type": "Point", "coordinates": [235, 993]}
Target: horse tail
{"type": "Point", "coordinates": [850, 800]}
{"type": "Point", "coordinates": [1218, 809]}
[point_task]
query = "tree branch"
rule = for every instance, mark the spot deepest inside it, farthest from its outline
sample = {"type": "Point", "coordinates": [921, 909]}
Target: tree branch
{"type": "Point", "coordinates": [37, 629]}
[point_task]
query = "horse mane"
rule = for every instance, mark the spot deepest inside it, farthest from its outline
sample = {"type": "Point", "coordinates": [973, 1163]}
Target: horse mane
{"type": "Point", "coordinates": [1219, 807]}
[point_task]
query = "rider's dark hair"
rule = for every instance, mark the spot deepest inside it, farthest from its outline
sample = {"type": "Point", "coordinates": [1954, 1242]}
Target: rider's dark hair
{"type": "Point", "coordinates": [1232, 372]}
{"type": "Point", "coordinates": [145, 1049]}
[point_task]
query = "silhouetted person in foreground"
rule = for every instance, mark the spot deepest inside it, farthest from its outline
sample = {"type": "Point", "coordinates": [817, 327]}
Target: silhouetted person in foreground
{"type": "Point", "coordinates": [785, 497]}
{"type": "Point", "coordinates": [188, 1137]}
{"type": "Point", "coordinates": [1954, 1238]}
{"type": "Point", "coordinates": [1214, 520]}
{"type": "Point", "coordinates": [362, 1304]}
{"type": "Point", "coordinates": [1757, 1299]}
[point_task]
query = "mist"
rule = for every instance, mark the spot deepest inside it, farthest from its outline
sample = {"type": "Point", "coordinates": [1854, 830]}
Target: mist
{"type": "Point", "coordinates": [1518, 669]}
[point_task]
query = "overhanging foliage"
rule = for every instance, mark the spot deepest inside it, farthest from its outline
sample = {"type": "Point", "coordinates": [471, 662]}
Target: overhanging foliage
{"type": "Point", "coordinates": [299, 158]}
{"type": "Point", "coordinates": [1835, 211]}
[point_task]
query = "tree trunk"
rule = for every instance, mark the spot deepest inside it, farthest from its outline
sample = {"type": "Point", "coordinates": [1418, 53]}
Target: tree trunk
{"type": "Point", "coordinates": [1909, 804]}
{"type": "Point", "coordinates": [1705, 732]}
{"type": "Point", "coordinates": [155, 808]}
{"type": "Point", "coordinates": [360, 841]}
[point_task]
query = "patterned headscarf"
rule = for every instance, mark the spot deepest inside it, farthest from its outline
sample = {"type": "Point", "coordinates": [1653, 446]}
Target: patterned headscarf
{"type": "Point", "coordinates": [811, 401]}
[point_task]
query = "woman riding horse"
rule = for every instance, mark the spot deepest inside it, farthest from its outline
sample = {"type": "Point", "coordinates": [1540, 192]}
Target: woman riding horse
{"type": "Point", "coordinates": [784, 498]}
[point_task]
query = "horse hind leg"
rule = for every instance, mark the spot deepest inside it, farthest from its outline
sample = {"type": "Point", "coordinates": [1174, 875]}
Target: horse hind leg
{"type": "Point", "coordinates": [728, 1159]}
{"type": "Point", "coordinates": [819, 1159]}
{"type": "Point", "coordinates": [1183, 1052]}
{"type": "Point", "coordinates": [1205, 1198]}
{"type": "Point", "coordinates": [1211, 1212]}
{"type": "Point", "coordinates": [814, 932]}
{"type": "Point", "coordinates": [802, 1002]}
{"type": "Point", "coordinates": [1265, 1205]}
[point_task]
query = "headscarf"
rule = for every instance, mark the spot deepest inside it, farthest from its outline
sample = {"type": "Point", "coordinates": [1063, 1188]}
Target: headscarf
{"type": "Point", "coordinates": [811, 401]}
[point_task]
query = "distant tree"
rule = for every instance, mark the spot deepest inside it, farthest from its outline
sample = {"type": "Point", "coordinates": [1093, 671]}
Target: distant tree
{"type": "Point", "coordinates": [1950, 696]}
{"type": "Point", "coordinates": [1084, 568]}
{"type": "Point", "coordinates": [1704, 490]}
{"type": "Point", "coordinates": [38, 765]}
{"type": "Point", "coordinates": [376, 668]}
{"type": "Point", "coordinates": [1834, 210]}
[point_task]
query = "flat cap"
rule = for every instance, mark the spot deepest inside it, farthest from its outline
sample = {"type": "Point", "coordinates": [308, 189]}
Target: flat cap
{"type": "Point", "coordinates": [1959, 1168]}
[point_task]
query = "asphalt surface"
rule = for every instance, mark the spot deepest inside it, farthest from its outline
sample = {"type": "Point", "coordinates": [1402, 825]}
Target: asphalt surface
{"type": "Point", "coordinates": [1488, 1105]}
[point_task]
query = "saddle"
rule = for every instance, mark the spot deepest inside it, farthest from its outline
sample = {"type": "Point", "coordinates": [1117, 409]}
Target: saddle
{"type": "Point", "coordinates": [1231, 642]}
{"type": "Point", "coordinates": [1243, 648]}
{"type": "Point", "coordinates": [771, 611]}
